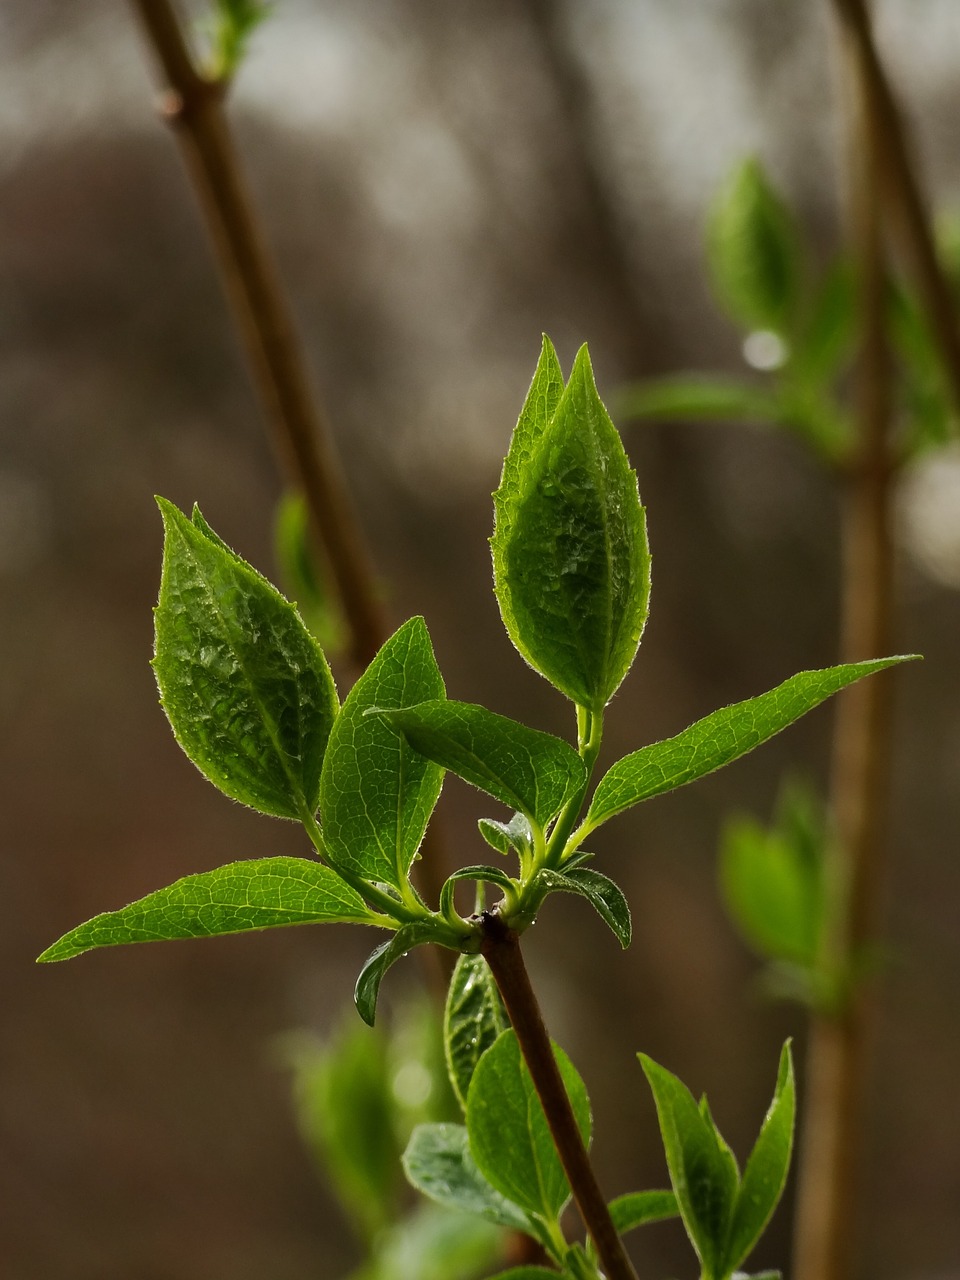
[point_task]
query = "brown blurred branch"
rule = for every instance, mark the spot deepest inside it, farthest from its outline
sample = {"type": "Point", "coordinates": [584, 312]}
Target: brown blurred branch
{"type": "Point", "coordinates": [193, 105]}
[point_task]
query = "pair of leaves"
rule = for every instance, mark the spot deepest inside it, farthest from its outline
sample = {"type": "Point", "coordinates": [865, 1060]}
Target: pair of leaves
{"type": "Point", "coordinates": [570, 558]}
{"type": "Point", "coordinates": [724, 1213]}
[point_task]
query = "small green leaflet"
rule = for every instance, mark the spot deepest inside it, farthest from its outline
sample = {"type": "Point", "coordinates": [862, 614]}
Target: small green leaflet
{"type": "Point", "coordinates": [719, 738]}
{"type": "Point", "coordinates": [570, 558]}
{"type": "Point", "coordinates": [438, 1162]}
{"type": "Point", "coordinates": [637, 1208]}
{"type": "Point", "coordinates": [509, 1136]}
{"type": "Point", "coordinates": [504, 836]}
{"type": "Point", "coordinates": [260, 894]}
{"type": "Point", "coordinates": [528, 770]}
{"type": "Point", "coordinates": [603, 894]}
{"type": "Point", "coordinates": [376, 792]}
{"type": "Point", "coordinates": [388, 953]}
{"type": "Point", "coordinates": [246, 688]}
{"type": "Point", "coordinates": [724, 1215]}
{"type": "Point", "coordinates": [473, 1018]}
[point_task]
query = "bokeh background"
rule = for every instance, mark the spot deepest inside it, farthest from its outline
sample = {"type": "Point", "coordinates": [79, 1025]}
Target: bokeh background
{"type": "Point", "coordinates": [441, 182]}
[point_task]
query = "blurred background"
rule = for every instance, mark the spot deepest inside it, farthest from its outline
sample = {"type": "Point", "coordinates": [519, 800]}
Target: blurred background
{"type": "Point", "coordinates": [441, 182]}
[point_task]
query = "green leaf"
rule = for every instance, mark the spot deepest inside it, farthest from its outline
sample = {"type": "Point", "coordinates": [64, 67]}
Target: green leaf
{"type": "Point", "coordinates": [637, 1208]}
{"type": "Point", "coordinates": [303, 574]}
{"type": "Point", "coordinates": [504, 836]}
{"type": "Point", "coordinates": [433, 1243]}
{"type": "Point", "coordinates": [754, 252]}
{"type": "Point", "coordinates": [233, 23]}
{"type": "Point", "coordinates": [526, 1273]}
{"type": "Point", "coordinates": [345, 1110]}
{"type": "Point", "coordinates": [600, 891]}
{"type": "Point", "coordinates": [246, 687]}
{"type": "Point", "coordinates": [473, 1018]}
{"type": "Point", "coordinates": [570, 557]}
{"type": "Point", "coordinates": [509, 1136]}
{"type": "Point", "coordinates": [526, 769]}
{"type": "Point", "coordinates": [719, 738]}
{"type": "Point", "coordinates": [379, 961]}
{"type": "Point", "coordinates": [702, 1169]}
{"type": "Point", "coordinates": [376, 792]}
{"type": "Point", "coordinates": [828, 334]}
{"type": "Point", "coordinates": [438, 1162]}
{"type": "Point", "coordinates": [766, 1171]}
{"type": "Point", "coordinates": [693, 397]}
{"type": "Point", "coordinates": [263, 893]}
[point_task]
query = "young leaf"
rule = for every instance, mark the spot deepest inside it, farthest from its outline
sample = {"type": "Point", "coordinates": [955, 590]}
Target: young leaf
{"type": "Point", "coordinates": [693, 398]}
{"type": "Point", "coordinates": [376, 792]}
{"type": "Point", "coordinates": [263, 893]}
{"type": "Point", "coordinates": [528, 770]}
{"type": "Point", "coordinates": [509, 1136]}
{"type": "Point", "coordinates": [754, 252]}
{"type": "Point", "coordinates": [379, 961]}
{"type": "Point", "coordinates": [600, 891]}
{"type": "Point", "coordinates": [719, 738]}
{"type": "Point", "coordinates": [438, 1162]}
{"type": "Point", "coordinates": [434, 1243]}
{"type": "Point", "coordinates": [570, 557]}
{"type": "Point", "coordinates": [473, 1019]}
{"type": "Point", "coordinates": [246, 687]}
{"type": "Point", "coordinates": [637, 1208]}
{"type": "Point", "coordinates": [702, 1169]}
{"type": "Point", "coordinates": [504, 836]}
{"type": "Point", "coordinates": [766, 1171]}
{"type": "Point", "coordinates": [303, 574]}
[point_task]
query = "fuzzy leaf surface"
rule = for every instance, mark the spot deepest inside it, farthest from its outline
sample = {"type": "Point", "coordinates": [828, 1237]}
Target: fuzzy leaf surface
{"type": "Point", "coordinates": [509, 1136]}
{"type": "Point", "coordinates": [637, 1208]}
{"type": "Point", "coordinates": [570, 555]}
{"type": "Point", "coordinates": [538, 409]}
{"type": "Point", "coordinates": [719, 738]}
{"type": "Point", "coordinates": [766, 1170]}
{"type": "Point", "coordinates": [247, 690]}
{"type": "Point", "coordinates": [263, 893]}
{"type": "Point", "coordinates": [528, 770]}
{"type": "Point", "coordinates": [438, 1162]}
{"type": "Point", "coordinates": [379, 961]}
{"type": "Point", "coordinates": [473, 1018]}
{"type": "Point", "coordinates": [376, 792]}
{"type": "Point", "coordinates": [504, 836]}
{"type": "Point", "coordinates": [603, 894]}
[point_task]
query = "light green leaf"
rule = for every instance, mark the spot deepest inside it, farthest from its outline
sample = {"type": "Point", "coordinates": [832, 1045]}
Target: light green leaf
{"type": "Point", "coordinates": [233, 24]}
{"type": "Point", "coordinates": [637, 1208]}
{"type": "Point", "coordinates": [263, 893]}
{"type": "Point", "coordinates": [438, 1162]}
{"type": "Point", "coordinates": [702, 1169]}
{"type": "Point", "coordinates": [376, 792]}
{"type": "Point", "coordinates": [434, 1243]}
{"type": "Point", "coordinates": [601, 892]}
{"type": "Point", "coordinates": [304, 576]}
{"type": "Point", "coordinates": [526, 769]}
{"type": "Point", "coordinates": [720, 738]}
{"type": "Point", "coordinates": [570, 556]}
{"type": "Point", "coordinates": [754, 252]}
{"type": "Point", "coordinates": [504, 836]}
{"type": "Point", "coordinates": [379, 961]}
{"type": "Point", "coordinates": [473, 1018]}
{"type": "Point", "coordinates": [246, 687]}
{"type": "Point", "coordinates": [766, 1171]}
{"type": "Point", "coordinates": [693, 397]}
{"type": "Point", "coordinates": [509, 1136]}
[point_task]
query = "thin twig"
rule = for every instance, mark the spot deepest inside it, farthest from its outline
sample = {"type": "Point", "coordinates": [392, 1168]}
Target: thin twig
{"type": "Point", "coordinates": [902, 189]}
{"type": "Point", "coordinates": [193, 105]}
{"type": "Point", "coordinates": [825, 1233]}
{"type": "Point", "coordinates": [501, 949]}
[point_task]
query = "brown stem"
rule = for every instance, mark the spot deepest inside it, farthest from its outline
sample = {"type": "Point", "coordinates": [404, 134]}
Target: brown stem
{"type": "Point", "coordinates": [902, 188]}
{"type": "Point", "coordinates": [501, 950]}
{"type": "Point", "coordinates": [194, 107]}
{"type": "Point", "coordinates": [825, 1232]}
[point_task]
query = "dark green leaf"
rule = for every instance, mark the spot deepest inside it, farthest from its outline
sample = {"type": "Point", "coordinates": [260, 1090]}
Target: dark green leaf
{"type": "Point", "coordinates": [766, 1170]}
{"type": "Point", "coordinates": [261, 894]}
{"type": "Point", "coordinates": [693, 397]}
{"type": "Point", "coordinates": [473, 1019]}
{"type": "Point", "coordinates": [601, 892]}
{"type": "Point", "coordinates": [526, 769]}
{"type": "Point", "coordinates": [719, 738]}
{"type": "Point", "coordinates": [570, 557]}
{"type": "Point", "coordinates": [504, 836]}
{"type": "Point", "coordinates": [378, 962]}
{"type": "Point", "coordinates": [509, 1135]}
{"type": "Point", "coordinates": [438, 1162]}
{"type": "Point", "coordinates": [754, 252]}
{"type": "Point", "coordinates": [637, 1208]}
{"type": "Point", "coordinates": [246, 687]}
{"type": "Point", "coordinates": [702, 1169]}
{"type": "Point", "coordinates": [376, 792]}
{"type": "Point", "coordinates": [484, 873]}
